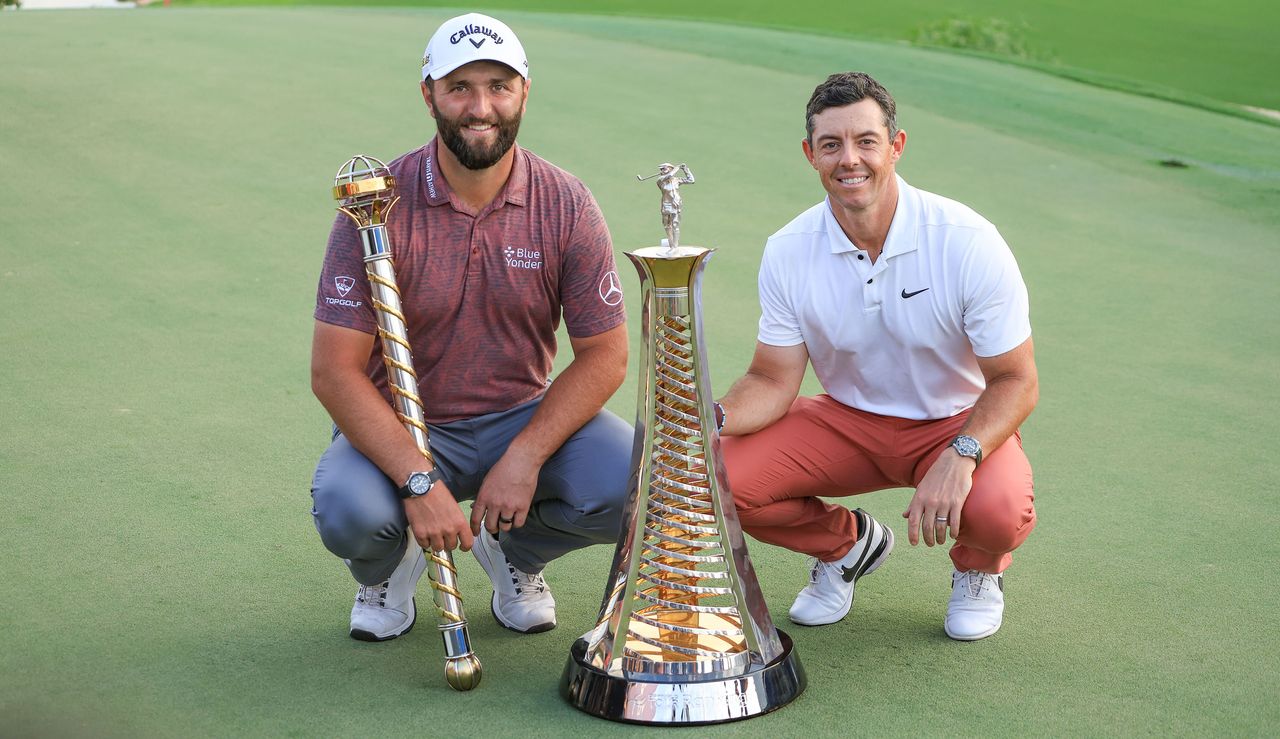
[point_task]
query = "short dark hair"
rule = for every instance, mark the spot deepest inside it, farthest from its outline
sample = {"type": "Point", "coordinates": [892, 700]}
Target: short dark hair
{"type": "Point", "coordinates": [846, 88]}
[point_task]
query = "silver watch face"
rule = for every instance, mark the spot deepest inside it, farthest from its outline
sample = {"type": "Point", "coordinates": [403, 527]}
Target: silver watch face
{"type": "Point", "coordinates": [967, 446]}
{"type": "Point", "coordinates": [419, 483]}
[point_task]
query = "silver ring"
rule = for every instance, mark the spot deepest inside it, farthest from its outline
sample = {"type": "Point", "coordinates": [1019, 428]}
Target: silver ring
{"type": "Point", "coordinates": [506, 520]}
{"type": "Point", "coordinates": [941, 519]}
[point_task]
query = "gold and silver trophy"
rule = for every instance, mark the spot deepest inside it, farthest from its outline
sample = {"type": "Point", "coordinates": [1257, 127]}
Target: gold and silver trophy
{"type": "Point", "coordinates": [684, 636]}
{"type": "Point", "coordinates": [365, 191]}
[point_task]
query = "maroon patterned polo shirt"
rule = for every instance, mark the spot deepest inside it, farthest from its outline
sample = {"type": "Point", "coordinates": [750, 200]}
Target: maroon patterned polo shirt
{"type": "Point", "coordinates": [483, 294]}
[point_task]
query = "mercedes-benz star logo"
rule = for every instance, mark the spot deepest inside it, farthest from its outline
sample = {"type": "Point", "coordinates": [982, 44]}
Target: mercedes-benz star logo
{"type": "Point", "coordinates": [610, 289]}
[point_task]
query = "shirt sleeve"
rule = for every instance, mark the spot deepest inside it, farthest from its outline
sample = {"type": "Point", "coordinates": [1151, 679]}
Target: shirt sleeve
{"type": "Point", "coordinates": [590, 291]}
{"type": "Point", "coordinates": [342, 297]}
{"type": "Point", "coordinates": [779, 323]}
{"type": "Point", "coordinates": [997, 310]}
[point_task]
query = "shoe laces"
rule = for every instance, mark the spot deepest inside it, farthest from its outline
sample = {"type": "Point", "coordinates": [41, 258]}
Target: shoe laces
{"type": "Point", "coordinates": [817, 568]}
{"type": "Point", "coordinates": [373, 595]}
{"type": "Point", "coordinates": [526, 583]}
{"type": "Point", "coordinates": [976, 583]}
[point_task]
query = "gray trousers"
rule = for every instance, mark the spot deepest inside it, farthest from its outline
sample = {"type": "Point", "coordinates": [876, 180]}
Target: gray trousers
{"type": "Point", "coordinates": [579, 500]}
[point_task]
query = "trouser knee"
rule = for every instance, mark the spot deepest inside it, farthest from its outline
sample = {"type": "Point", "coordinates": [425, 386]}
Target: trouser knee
{"type": "Point", "coordinates": [749, 515]}
{"type": "Point", "coordinates": [356, 511]}
{"type": "Point", "coordinates": [357, 531]}
{"type": "Point", "coordinates": [996, 531]}
{"type": "Point", "coordinates": [600, 526]}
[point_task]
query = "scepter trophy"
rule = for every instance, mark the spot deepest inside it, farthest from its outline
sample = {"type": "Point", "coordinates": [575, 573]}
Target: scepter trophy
{"type": "Point", "coordinates": [365, 191]}
{"type": "Point", "coordinates": [684, 636]}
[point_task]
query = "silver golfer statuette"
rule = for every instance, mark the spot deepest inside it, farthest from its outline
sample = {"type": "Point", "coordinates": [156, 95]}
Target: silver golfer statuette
{"type": "Point", "coordinates": [684, 636]}
{"type": "Point", "coordinates": [669, 182]}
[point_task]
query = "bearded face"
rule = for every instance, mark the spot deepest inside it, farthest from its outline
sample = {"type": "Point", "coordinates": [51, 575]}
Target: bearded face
{"type": "Point", "coordinates": [476, 154]}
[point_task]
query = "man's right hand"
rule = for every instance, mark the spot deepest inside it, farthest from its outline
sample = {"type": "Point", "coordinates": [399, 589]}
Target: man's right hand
{"type": "Point", "coordinates": [437, 522]}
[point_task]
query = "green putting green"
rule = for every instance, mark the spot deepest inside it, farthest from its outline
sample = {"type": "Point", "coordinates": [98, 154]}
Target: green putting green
{"type": "Point", "coordinates": [161, 228]}
{"type": "Point", "coordinates": [1195, 50]}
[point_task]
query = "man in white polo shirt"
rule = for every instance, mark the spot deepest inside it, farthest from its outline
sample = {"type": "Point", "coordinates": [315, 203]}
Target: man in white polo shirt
{"type": "Point", "coordinates": [914, 315]}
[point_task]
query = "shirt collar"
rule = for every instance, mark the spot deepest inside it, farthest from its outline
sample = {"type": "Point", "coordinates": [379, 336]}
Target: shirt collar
{"type": "Point", "coordinates": [902, 237]}
{"type": "Point", "coordinates": [436, 190]}
{"type": "Point", "coordinates": [836, 237]}
{"type": "Point", "coordinates": [516, 191]}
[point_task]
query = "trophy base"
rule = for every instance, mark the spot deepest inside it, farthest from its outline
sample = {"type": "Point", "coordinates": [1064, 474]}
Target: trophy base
{"type": "Point", "coordinates": [682, 703]}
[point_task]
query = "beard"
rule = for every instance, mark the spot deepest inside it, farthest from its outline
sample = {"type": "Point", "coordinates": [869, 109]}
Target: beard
{"type": "Point", "coordinates": [477, 156]}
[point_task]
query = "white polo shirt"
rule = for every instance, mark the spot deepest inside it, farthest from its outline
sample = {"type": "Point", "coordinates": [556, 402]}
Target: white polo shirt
{"type": "Point", "coordinates": [899, 337]}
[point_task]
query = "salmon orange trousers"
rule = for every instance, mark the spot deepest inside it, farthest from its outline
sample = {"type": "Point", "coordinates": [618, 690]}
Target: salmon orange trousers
{"type": "Point", "coordinates": [823, 448]}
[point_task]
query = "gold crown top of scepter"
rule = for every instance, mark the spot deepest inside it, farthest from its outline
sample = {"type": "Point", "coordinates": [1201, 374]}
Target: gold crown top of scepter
{"type": "Point", "coordinates": [364, 189]}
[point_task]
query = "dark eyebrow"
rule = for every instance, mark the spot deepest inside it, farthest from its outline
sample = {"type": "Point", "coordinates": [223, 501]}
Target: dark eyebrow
{"type": "Point", "coordinates": [862, 135]}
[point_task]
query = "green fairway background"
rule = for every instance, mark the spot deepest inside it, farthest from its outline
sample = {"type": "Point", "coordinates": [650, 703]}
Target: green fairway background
{"type": "Point", "coordinates": [1193, 50]}
{"type": "Point", "coordinates": [163, 219]}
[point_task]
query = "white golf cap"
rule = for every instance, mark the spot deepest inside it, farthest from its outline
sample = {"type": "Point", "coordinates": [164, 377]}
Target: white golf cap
{"type": "Point", "coordinates": [471, 38]}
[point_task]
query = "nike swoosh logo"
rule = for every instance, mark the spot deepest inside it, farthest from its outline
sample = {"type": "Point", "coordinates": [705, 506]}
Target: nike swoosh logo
{"type": "Point", "coordinates": [906, 294]}
{"type": "Point", "coordinates": [849, 573]}
{"type": "Point", "coordinates": [477, 44]}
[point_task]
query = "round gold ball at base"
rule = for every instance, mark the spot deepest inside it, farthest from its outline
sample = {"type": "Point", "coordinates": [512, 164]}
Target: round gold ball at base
{"type": "Point", "coordinates": [463, 673]}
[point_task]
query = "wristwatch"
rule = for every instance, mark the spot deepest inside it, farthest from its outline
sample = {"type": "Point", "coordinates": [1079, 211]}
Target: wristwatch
{"type": "Point", "coordinates": [419, 483]}
{"type": "Point", "coordinates": [967, 446]}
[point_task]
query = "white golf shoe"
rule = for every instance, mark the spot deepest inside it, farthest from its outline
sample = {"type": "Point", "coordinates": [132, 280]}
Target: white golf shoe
{"type": "Point", "coordinates": [521, 602]}
{"type": "Point", "coordinates": [386, 610]}
{"type": "Point", "coordinates": [976, 609]}
{"type": "Point", "coordinates": [829, 595]}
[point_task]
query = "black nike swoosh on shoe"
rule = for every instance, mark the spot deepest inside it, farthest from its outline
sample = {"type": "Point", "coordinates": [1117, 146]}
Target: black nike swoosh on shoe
{"type": "Point", "coordinates": [851, 573]}
{"type": "Point", "coordinates": [906, 294]}
{"type": "Point", "coordinates": [868, 527]}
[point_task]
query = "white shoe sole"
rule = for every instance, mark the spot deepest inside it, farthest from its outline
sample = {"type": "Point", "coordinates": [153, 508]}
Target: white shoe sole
{"type": "Point", "coordinates": [970, 637]}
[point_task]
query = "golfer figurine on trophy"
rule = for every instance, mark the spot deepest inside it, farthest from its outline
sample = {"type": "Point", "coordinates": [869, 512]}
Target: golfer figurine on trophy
{"type": "Point", "coordinates": [669, 182]}
{"type": "Point", "coordinates": [684, 636]}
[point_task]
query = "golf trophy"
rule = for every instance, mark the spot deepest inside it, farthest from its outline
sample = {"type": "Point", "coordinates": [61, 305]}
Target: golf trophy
{"type": "Point", "coordinates": [684, 636]}
{"type": "Point", "coordinates": [365, 191]}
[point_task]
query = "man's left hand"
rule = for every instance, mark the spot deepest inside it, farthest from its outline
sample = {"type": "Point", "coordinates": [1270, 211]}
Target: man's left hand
{"type": "Point", "coordinates": [939, 499]}
{"type": "Point", "coordinates": [505, 495]}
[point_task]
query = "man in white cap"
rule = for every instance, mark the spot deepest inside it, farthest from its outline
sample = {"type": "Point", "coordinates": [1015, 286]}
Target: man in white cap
{"type": "Point", "coordinates": [493, 247]}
